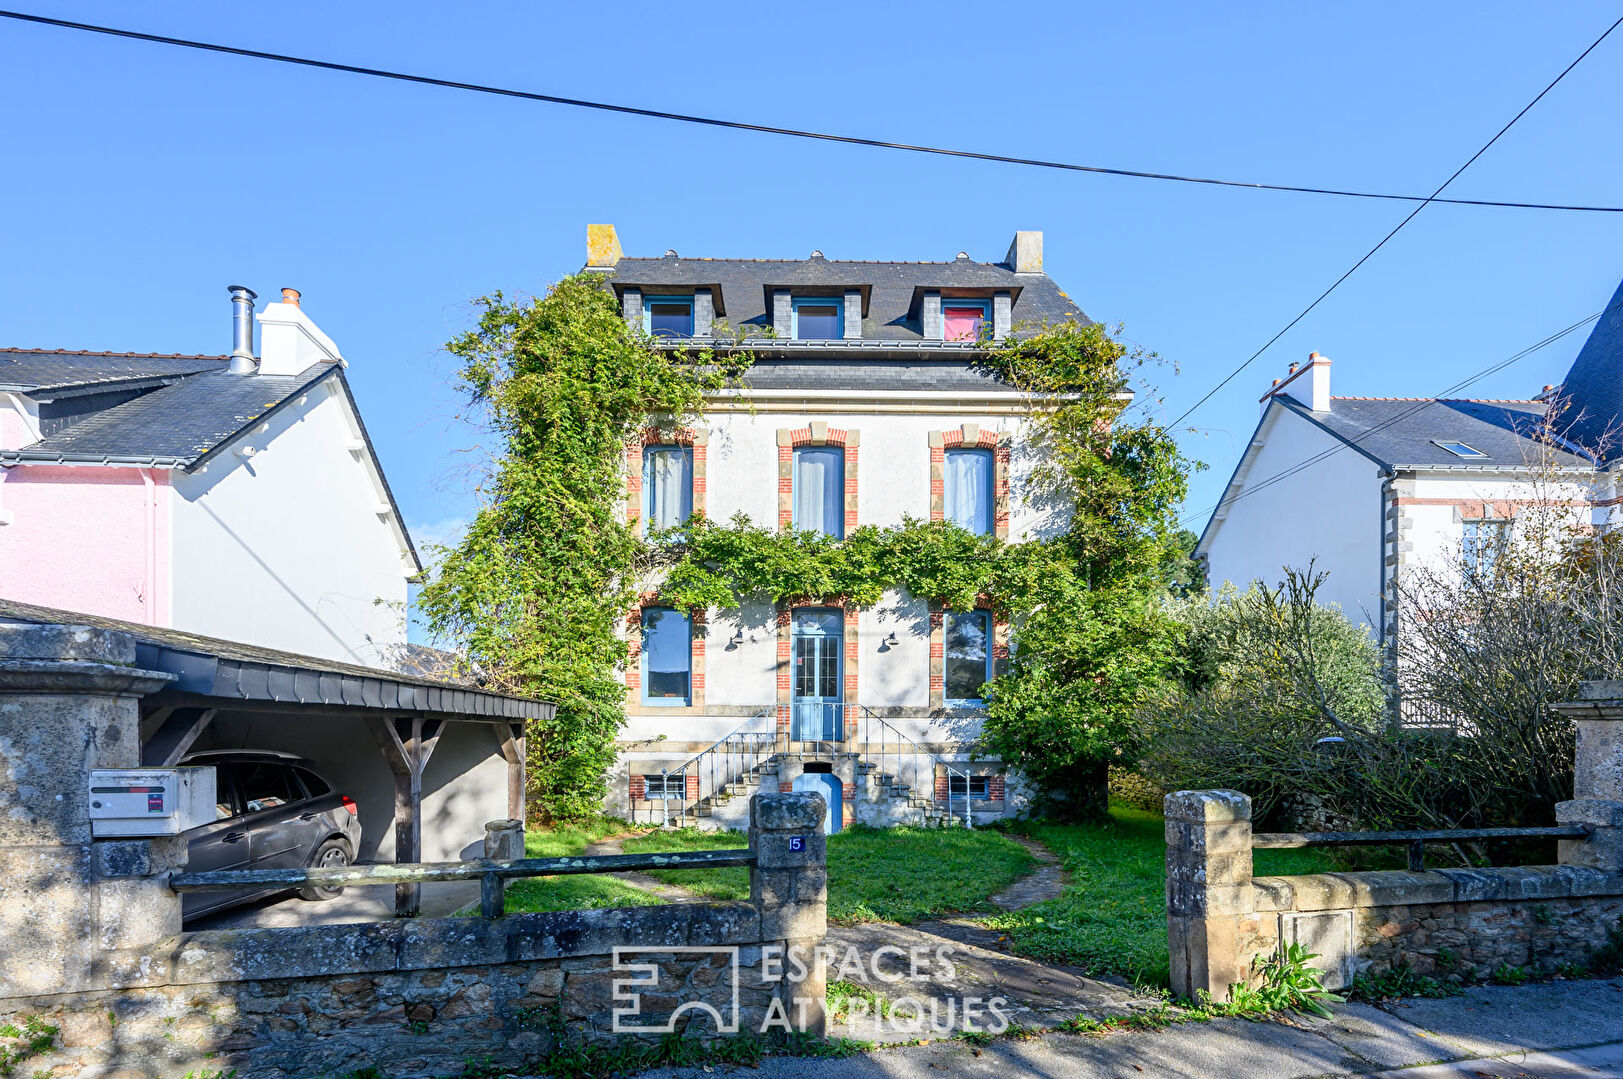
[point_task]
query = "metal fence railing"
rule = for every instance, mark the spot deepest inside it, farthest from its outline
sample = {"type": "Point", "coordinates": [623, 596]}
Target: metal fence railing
{"type": "Point", "coordinates": [1415, 840]}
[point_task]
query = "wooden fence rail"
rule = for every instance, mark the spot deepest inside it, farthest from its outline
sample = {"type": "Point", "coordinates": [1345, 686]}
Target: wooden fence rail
{"type": "Point", "coordinates": [1415, 840]}
{"type": "Point", "coordinates": [492, 875]}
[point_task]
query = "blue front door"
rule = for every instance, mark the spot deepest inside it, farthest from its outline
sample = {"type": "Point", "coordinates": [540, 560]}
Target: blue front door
{"type": "Point", "coordinates": [816, 707]}
{"type": "Point", "coordinates": [828, 785]}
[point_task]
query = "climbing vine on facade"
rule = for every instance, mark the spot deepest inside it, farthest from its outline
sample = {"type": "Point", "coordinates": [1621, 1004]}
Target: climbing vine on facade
{"type": "Point", "coordinates": [534, 593]}
{"type": "Point", "coordinates": [537, 590]}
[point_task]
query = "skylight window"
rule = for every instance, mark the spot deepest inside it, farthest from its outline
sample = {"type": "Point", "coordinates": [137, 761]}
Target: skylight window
{"type": "Point", "coordinates": [1458, 449]}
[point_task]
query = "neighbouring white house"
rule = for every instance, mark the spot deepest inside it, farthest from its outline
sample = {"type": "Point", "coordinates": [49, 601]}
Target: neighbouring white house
{"type": "Point", "coordinates": [234, 496]}
{"type": "Point", "coordinates": [865, 404]}
{"type": "Point", "coordinates": [1366, 488]}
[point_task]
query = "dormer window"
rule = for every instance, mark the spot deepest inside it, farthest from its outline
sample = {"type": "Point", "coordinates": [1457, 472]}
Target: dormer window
{"type": "Point", "coordinates": [818, 318]}
{"type": "Point", "coordinates": [668, 316]}
{"type": "Point", "coordinates": [962, 320]}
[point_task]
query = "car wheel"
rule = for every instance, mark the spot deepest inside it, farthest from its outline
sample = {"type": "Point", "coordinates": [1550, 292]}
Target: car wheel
{"type": "Point", "coordinates": [333, 854]}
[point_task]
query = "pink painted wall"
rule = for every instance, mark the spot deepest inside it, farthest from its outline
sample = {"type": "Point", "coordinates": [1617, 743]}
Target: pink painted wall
{"type": "Point", "coordinates": [92, 539]}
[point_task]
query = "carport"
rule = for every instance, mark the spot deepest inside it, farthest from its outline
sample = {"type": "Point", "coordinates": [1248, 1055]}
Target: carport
{"type": "Point", "coordinates": [428, 762]}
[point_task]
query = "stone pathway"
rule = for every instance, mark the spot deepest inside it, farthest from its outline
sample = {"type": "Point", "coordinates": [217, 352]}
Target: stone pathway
{"type": "Point", "coordinates": [667, 892]}
{"type": "Point", "coordinates": [958, 960]}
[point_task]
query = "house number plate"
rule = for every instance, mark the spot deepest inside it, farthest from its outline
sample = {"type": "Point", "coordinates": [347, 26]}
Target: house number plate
{"type": "Point", "coordinates": [797, 842]}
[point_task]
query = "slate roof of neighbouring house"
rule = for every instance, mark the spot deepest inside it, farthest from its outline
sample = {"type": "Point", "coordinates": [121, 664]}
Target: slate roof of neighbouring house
{"type": "Point", "coordinates": [211, 667]}
{"type": "Point", "coordinates": [1592, 395]}
{"type": "Point", "coordinates": [127, 408]}
{"type": "Point", "coordinates": [1405, 432]}
{"type": "Point", "coordinates": [891, 304]}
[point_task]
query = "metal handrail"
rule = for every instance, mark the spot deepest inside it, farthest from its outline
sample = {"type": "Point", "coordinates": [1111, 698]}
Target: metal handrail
{"type": "Point", "coordinates": [1415, 839]}
{"type": "Point", "coordinates": [697, 763]}
{"type": "Point", "coordinates": [492, 873]}
{"type": "Point", "coordinates": [869, 715]}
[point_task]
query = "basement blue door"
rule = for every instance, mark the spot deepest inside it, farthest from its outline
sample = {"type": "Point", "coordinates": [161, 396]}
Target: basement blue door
{"type": "Point", "coordinates": [828, 785]}
{"type": "Point", "coordinates": [816, 682]}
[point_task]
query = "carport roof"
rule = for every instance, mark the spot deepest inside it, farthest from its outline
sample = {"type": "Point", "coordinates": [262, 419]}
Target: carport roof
{"type": "Point", "coordinates": [229, 671]}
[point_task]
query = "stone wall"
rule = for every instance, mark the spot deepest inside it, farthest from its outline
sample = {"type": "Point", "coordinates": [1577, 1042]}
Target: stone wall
{"type": "Point", "coordinates": [90, 938]}
{"type": "Point", "coordinates": [1446, 922]}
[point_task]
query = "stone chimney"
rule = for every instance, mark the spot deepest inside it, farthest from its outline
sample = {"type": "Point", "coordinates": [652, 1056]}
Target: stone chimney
{"type": "Point", "coordinates": [1025, 253]}
{"type": "Point", "coordinates": [602, 247]}
{"type": "Point", "coordinates": [288, 341]}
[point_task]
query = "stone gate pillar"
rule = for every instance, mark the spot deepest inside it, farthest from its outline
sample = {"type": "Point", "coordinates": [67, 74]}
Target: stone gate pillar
{"type": "Point", "coordinates": [789, 887]}
{"type": "Point", "coordinates": [1211, 909]}
{"type": "Point", "coordinates": [1597, 784]}
{"type": "Point", "coordinates": [68, 703]}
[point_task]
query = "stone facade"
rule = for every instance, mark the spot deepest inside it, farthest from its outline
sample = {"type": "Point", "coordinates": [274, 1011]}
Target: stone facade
{"type": "Point", "coordinates": [90, 937]}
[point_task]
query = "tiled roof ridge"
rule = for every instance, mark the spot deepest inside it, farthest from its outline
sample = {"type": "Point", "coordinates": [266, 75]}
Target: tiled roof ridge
{"type": "Point", "coordinates": [1466, 400]}
{"type": "Point", "coordinates": [127, 355]}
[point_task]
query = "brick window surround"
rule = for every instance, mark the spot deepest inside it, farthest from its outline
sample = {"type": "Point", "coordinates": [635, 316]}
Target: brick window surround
{"type": "Point", "coordinates": [938, 649]}
{"type": "Point", "coordinates": [996, 787]}
{"type": "Point", "coordinates": [848, 668]}
{"type": "Point", "coordinates": [971, 436]}
{"type": "Point", "coordinates": [814, 434]}
{"type": "Point", "coordinates": [696, 439]}
{"type": "Point", "coordinates": [633, 672]}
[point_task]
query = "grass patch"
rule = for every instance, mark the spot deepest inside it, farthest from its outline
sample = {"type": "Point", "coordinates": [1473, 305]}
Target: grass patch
{"type": "Point", "coordinates": [899, 875]}
{"type": "Point", "coordinates": [1111, 918]}
{"type": "Point", "coordinates": [573, 892]}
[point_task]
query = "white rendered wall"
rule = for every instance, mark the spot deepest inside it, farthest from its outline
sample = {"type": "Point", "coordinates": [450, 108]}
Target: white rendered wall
{"type": "Point", "coordinates": [285, 548]}
{"type": "Point", "coordinates": [1432, 504]}
{"type": "Point", "coordinates": [1329, 513]}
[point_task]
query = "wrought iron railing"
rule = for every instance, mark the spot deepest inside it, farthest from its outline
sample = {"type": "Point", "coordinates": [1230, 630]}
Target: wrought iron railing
{"type": "Point", "coordinates": [817, 729]}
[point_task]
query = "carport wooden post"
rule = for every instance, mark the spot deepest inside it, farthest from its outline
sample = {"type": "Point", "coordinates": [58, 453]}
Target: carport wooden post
{"type": "Point", "coordinates": [407, 743]}
{"type": "Point", "coordinates": [512, 741]}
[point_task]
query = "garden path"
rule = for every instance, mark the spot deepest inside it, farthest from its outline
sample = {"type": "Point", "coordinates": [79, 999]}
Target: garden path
{"type": "Point", "coordinates": [1042, 884]}
{"type": "Point", "coordinates": [667, 892]}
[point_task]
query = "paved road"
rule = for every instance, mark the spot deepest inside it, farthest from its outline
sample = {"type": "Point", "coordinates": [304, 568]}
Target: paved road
{"type": "Point", "coordinates": [1557, 1031]}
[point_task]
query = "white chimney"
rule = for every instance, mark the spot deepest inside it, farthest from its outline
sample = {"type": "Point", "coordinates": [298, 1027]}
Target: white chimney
{"type": "Point", "coordinates": [288, 341]}
{"type": "Point", "coordinates": [1318, 373]}
{"type": "Point", "coordinates": [1025, 253]}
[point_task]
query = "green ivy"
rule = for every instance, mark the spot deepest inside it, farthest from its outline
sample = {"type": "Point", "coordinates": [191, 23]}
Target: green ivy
{"type": "Point", "coordinates": [536, 591]}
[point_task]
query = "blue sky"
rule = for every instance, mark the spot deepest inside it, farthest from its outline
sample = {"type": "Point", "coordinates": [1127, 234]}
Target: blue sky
{"type": "Point", "coordinates": [139, 181]}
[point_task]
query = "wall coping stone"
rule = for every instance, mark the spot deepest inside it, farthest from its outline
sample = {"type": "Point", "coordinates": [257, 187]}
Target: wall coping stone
{"type": "Point", "coordinates": [1395, 888]}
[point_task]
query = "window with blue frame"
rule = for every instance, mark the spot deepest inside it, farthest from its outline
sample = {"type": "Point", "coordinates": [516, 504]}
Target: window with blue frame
{"type": "Point", "coordinates": [667, 486]}
{"type": "Point", "coordinates": [819, 490]}
{"type": "Point", "coordinates": [818, 318]}
{"type": "Point", "coordinates": [967, 490]}
{"type": "Point", "coordinates": [962, 320]}
{"type": "Point", "coordinates": [667, 657]}
{"type": "Point", "coordinates": [665, 786]}
{"type": "Point", "coordinates": [968, 655]}
{"type": "Point", "coordinates": [668, 316]}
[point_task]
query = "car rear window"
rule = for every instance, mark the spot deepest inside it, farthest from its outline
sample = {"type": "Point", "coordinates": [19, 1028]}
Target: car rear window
{"type": "Point", "coordinates": [265, 786]}
{"type": "Point", "coordinates": [313, 783]}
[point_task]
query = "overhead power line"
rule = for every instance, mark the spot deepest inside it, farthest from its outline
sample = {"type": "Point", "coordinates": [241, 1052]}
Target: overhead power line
{"type": "Point", "coordinates": [1399, 417]}
{"type": "Point", "coordinates": [769, 129]}
{"type": "Point", "coordinates": [1207, 396]}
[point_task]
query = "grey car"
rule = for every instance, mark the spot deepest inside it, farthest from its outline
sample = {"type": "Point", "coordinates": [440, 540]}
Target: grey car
{"type": "Point", "coordinates": [276, 811]}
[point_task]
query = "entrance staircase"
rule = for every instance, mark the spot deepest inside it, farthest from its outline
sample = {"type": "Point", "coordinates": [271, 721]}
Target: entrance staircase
{"type": "Point", "coordinates": [895, 778]}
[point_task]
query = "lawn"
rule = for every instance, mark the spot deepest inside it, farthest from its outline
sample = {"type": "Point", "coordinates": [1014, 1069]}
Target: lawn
{"type": "Point", "coordinates": [1111, 918]}
{"type": "Point", "coordinates": [573, 892]}
{"type": "Point", "coordinates": [895, 875]}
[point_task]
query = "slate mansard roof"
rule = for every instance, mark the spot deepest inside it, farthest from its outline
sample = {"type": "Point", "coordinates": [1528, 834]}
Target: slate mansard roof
{"type": "Point", "coordinates": [152, 410]}
{"type": "Point", "coordinates": [891, 301]}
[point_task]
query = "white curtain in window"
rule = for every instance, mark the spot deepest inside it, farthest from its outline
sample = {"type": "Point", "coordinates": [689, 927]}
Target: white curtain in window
{"type": "Point", "coordinates": [668, 477]}
{"type": "Point", "coordinates": [968, 490]}
{"type": "Point", "coordinates": [820, 491]}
